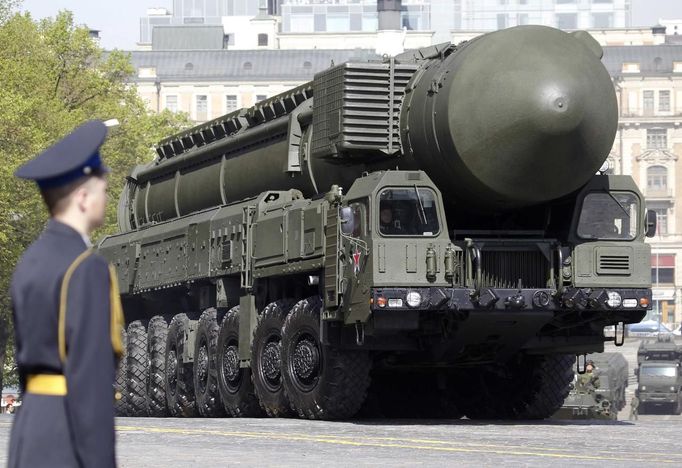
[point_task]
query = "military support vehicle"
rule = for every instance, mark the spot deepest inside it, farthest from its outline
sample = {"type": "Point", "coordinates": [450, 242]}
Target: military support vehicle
{"type": "Point", "coordinates": [432, 218]}
{"type": "Point", "coordinates": [601, 397]}
{"type": "Point", "coordinates": [659, 375]}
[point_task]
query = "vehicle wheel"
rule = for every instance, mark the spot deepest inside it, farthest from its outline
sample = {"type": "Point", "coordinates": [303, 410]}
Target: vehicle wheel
{"type": "Point", "coordinates": [321, 382]}
{"type": "Point", "coordinates": [138, 369]}
{"type": "Point", "coordinates": [205, 362]}
{"type": "Point", "coordinates": [179, 382]}
{"type": "Point", "coordinates": [234, 382]}
{"type": "Point", "coordinates": [266, 362]}
{"type": "Point", "coordinates": [157, 334]}
{"type": "Point", "coordinates": [121, 384]}
{"type": "Point", "coordinates": [532, 387]}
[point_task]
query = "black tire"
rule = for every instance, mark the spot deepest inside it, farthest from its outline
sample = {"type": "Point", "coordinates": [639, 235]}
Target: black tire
{"type": "Point", "coordinates": [266, 362]}
{"type": "Point", "coordinates": [157, 334]}
{"type": "Point", "coordinates": [321, 382]}
{"type": "Point", "coordinates": [234, 382]}
{"type": "Point", "coordinates": [206, 391]}
{"type": "Point", "coordinates": [179, 381]}
{"type": "Point", "coordinates": [122, 398]}
{"type": "Point", "coordinates": [533, 387]}
{"type": "Point", "coordinates": [138, 369]}
{"type": "Point", "coordinates": [423, 394]}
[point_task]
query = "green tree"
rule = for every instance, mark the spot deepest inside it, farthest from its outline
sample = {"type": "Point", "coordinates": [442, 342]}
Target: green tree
{"type": "Point", "coordinates": [55, 77]}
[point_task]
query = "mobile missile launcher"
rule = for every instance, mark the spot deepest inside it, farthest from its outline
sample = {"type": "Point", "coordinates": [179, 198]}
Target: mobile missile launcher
{"type": "Point", "coordinates": [659, 375]}
{"type": "Point", "coordinates": [603, 398]}
{"type": "Point", "coordinates": [473, 247]}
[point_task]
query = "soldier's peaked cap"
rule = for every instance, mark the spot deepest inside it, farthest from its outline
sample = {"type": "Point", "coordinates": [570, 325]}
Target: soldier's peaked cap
{"type": "Point", "coordinates": [76, 155]}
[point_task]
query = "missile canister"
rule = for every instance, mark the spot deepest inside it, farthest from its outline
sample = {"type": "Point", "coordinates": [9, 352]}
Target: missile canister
{"type": "Point", "coordinates": [497, 123]}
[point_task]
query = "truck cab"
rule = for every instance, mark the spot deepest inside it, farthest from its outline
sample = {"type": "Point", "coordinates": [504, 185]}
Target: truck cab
{"type": "Point", "coordinates": [660, 386]}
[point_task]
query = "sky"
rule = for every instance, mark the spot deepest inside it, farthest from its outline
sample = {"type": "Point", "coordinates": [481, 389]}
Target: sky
{"type": "Point", "coordinates": [119, 20]}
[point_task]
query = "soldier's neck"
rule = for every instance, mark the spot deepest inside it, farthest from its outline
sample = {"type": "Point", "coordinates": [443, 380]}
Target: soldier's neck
{"type": "Point", "coordinates": [74, 220]}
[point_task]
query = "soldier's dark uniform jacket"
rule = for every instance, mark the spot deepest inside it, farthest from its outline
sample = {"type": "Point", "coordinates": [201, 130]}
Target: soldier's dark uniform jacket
{"type": "Point", "coordinates": [65, 307]}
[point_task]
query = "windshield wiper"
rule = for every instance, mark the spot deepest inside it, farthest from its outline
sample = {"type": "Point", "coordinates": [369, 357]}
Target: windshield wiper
{"type": "Point", "coordinates": [618, 203]}
{"type": "Point", "coordinates": [421, 207]}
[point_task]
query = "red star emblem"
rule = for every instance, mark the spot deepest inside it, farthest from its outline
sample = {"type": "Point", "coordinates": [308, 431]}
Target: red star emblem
{"type": "Point", "coordinates": [356, 261]}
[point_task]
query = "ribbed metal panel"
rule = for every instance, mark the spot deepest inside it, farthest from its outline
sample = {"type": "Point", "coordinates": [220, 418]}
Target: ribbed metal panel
{"type": "Point", "coordinates": [614, 264]}
{"type": "Point", "coordinates": [504, 269]}
{"type": "Point", "coordinates": [357, 108]}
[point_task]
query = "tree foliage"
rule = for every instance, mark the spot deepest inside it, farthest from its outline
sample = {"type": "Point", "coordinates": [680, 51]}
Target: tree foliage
{"type": "Point", "coordinates": [55, 77]}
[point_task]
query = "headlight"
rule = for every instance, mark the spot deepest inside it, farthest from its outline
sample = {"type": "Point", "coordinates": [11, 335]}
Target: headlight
{"type": "Point", "coordinates": [614, 299]}
{"type": "Point", "coordinates": [672, 389]}
{"type": "Point", "coordinates": [643, 388]}
{"type": "Point", "coordinates": [629, 303]}
{"type": "Point", "coordinates": [414, 299]}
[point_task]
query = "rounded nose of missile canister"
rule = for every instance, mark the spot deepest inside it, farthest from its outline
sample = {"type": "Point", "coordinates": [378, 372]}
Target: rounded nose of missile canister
{"type": "Point", "coordinates": [532, 114]}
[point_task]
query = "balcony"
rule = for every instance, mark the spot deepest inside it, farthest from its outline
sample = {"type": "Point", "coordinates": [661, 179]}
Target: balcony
{"type": "Point", "coordinates": [647, 114]}
{"type": "Point", "coordinates": [658, 193]}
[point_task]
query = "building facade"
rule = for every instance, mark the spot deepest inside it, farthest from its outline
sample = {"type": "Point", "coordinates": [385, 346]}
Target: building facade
{"type": "Point", "coordinates": [648, 146]}
{"type": "Point", "coordinates": [489, 15]}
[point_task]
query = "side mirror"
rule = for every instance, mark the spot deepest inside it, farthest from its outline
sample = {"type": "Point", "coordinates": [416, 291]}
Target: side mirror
{"type": "Point", "coordinates": [347, 220]}
{"type": "Point", "coordinates": [650, 223]}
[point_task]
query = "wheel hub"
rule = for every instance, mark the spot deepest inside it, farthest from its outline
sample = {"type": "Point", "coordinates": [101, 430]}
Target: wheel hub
{"type": "Point", "coordinates": [231, 363]}
{"type": "Point", "coordinates": [306, 359]}
{"type": "Point", "coordinates": [271, 361]}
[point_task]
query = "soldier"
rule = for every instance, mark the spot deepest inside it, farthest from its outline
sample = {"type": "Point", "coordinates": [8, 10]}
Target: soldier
{"type": "Point", "coordinates": [634, 407]}
{"type": "Point", "coordinates": [67, 315]}
{"type": "Point", "coordinates": [589, 380]}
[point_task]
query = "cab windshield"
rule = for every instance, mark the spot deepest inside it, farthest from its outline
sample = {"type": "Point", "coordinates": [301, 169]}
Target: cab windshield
{"type": "Point", "coordinates": [609, 215]}
{"type": "Point", "coordinates": [408, 212]}
{"type": "Point", "coordinates": [658, 371]}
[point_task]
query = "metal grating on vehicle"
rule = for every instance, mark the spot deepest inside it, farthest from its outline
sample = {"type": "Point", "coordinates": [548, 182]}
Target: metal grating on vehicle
{"type": "Point", "coordinates": [357, 108]}
{"type": "Point", "coordinates": [504, 269]}
{"type": "Point", "coordinates": [614, 264]}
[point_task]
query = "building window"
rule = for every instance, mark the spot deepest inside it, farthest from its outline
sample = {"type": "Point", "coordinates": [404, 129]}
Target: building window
{"type": "Point", "coordinates": [356, 21]}
{"type": "Point", "coordinates": [261, 97]}
{"type": "Point", "coordinates": [320, 22]}
{"type": "Point", "coordinates": [567, 20]}
{"type": "Point", "coordinates": [307, 65]}
{"type": "Point", "coordinates": [661, 222]}
{"type": "Point", "coordinates": [664, 101]}
{"type": "Point", "coordinates": [248, 65]}
{"type": "Point", "coordinates": [189, 67]}
{"type": "Point", "coordinates": [521, 19]}
{"type": "Point", "coordinates": [662, 268]}
{"type": "Point", "coordinates": [231, 103]}
{"type": "Point", "coordinates": [202, 108]}
{"type": "Point", "coordinates": [656, 138]}
{"type": "Point", "coordinates": [501, 20]}
{"type": "Point", "coordinates": [630, 67]}
{"type": "Point", "coordinates": [172, 102]}
{"type": "Point", "coordinates": [602, 20]}
{"type": "Point", "coordinates": [677, 67]}
{"type": "Point", "coordinates": [262, 39]}
{"type": "Point", "coordinates": [657, 178]}
{"type": "Point", "coordinates": [648, 102]}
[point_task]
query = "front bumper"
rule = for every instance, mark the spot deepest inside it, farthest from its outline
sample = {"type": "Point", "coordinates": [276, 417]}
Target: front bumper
{"type": "Point", "coordinates": [658, 398]}
{"type": "Point", "coordinates": [466, 299]}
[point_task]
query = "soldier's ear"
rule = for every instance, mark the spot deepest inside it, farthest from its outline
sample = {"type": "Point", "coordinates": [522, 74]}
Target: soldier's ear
{"type": "Point", "coordinates": [80, 197]}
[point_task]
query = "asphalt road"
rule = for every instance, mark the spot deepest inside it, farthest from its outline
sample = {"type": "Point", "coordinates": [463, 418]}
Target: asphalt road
{"type": "Point", "coordinates": [654, 440]}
